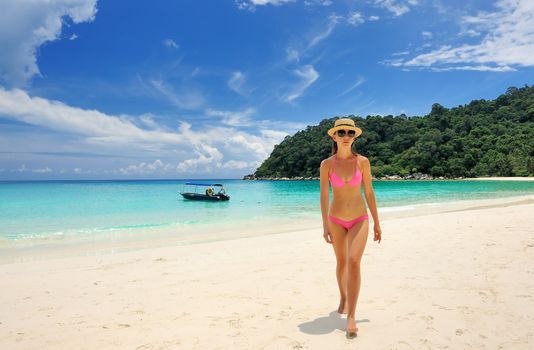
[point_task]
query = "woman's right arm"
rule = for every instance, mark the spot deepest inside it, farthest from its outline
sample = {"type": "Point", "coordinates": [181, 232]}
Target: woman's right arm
{"type": "Point", "coordinates": [325, 197]}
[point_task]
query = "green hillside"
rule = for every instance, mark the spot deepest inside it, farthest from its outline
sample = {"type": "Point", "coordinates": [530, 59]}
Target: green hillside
{"type": "Point", "coordinates": [482, 138]}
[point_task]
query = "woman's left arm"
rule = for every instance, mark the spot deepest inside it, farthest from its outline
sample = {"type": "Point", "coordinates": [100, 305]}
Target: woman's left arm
{"type": "Point", "coordinates": [370, 197]}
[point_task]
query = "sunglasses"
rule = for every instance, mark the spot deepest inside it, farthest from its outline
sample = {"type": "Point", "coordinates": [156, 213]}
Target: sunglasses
{"type": "Point", "coordinates": [349, 133]}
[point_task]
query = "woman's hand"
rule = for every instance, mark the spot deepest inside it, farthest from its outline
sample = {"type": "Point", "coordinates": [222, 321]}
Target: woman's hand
{"type": "Point", "coordinates": [378, 233]}
{"type": "Point", "coordinates": [327, 236]}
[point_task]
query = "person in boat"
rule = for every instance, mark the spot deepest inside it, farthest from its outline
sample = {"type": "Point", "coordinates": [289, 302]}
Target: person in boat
{"type": "Point", "coordinates": [209, 191]}
{"type": "Point", "coordinates": [221, 191]}
{"type": "Point", "coordinates": [345, 221]}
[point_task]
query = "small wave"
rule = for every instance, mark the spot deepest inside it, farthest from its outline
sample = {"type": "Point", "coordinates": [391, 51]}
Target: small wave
{"type": "Point", "coordinates": [127, 227]}
{"type": "Point", "coordinates": [40, 235]}
{"type": "Point", "coordinates": [99, 231]}
{"type": "Point", "coordinates": [394, 209]}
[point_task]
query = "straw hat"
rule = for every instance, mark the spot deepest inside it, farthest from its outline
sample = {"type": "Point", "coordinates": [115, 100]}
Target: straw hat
{"type": "Point", "coordinates": [344, 124]}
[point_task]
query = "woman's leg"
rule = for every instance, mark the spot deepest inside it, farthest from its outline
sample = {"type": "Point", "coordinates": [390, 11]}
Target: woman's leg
{"type": "Point", "coordinates": [356, 239]}
{"type": "Point", "coordinates": [339, 242]}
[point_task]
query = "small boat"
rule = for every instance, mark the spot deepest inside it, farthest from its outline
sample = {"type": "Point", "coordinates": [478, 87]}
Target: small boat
{"type": "Point", "coordinates": [213, 192]}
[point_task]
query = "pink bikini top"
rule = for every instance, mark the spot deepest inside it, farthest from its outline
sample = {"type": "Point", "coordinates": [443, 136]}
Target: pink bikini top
{"type": "Point", "coordinates": [337, 181]}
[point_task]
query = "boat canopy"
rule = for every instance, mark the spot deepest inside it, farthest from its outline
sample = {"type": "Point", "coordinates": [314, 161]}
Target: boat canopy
{"type": "Point", "coordinates": [199, 184]}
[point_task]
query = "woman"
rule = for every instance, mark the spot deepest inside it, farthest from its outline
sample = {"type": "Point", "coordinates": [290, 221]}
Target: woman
{"type": "Point", "coordinates": [345, 223]}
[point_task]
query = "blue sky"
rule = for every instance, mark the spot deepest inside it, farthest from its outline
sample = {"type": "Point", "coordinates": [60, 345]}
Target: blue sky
{"type": "Point", "coordinates": [205, 89]}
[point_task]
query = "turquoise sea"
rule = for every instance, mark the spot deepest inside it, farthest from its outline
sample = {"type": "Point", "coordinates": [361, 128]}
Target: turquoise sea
{"type": "Point", "coordinates": [90, 208]}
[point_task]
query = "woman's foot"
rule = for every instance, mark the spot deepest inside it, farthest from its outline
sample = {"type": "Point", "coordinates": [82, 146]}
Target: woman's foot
{"type": "Point", "coordinates": [342, 309]}
{"type": "Point", "coordinates": [352, 329]}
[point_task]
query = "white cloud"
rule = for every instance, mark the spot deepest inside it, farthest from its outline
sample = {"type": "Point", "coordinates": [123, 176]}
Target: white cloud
{"type": "Point", "coordinates": [294, 55]}
{"type": "Point", "coordinates": [249, 144]}
{"type": "Point", "coordinates": [318, 2]}
{"type": "Point", "coordinates": [356, 18]}
{"type": "Point", "coordinates": [213, 143]}
{"type": "Point", "coordinates": [426, 35]}
{"type": "Point", "coordinates": [251, 4]}
{"type": "Point", "coordinates": [358, 82]}
{"type": "Point", "coordinates": [286, 125]}
{"type": "Point", "coordinates": [185, 100]}
{"type": "Point", "coordinates": [206, 155]}
{"type": "Point", "coordinates": [170, 43]}
{"type": "Point", "coordinates": [208, 160]}
{"type": "Point", "coordinates": [373, 18]}
{"type": "Point", "coordinates": [26, 25]}
{"type": "Point", "coordinates": [80, 171]}
{"type": "Point", "coordinates": [332, 22]}
{"type": "Point", "coordinates": [481, 68]}
{"type": "Point", "coordinates": [270, 2]}
{"type": "Point", "coordinates": [148, 120]}
{"type": "Point", "coordinates": [73, 37]}
{"type": "Point", "coordinates": [22, 168]}
{"type": "Point", "coordinates": [236, 142]}
{"type": "Point", "coordinates": [156, 166]}
{"type": "Point", "coordinates": [96, 126]}
{"type": "Point", "coordinates": [508, 42]}
{"type": "Point", "coordinates": [397, 7]}
{"type": "Point", "coordinates": [228, 141]}
{"type": "Point", "coordinates": [232, 118]}
{"type": "Point", "coordinates": [273, 134]}
{"type": "Point", "coordinates": [42, 170]}
{"type": "Point", "coordinates": [308, 75]}
{"type": "Point", "coordinates": [470, 32]}
{"type": "Point", "coordinates": [401, 53]}
{"type": "Point", "coordinates": [237, 83]}
{"type": "Point", "coordinates": [239, 164]}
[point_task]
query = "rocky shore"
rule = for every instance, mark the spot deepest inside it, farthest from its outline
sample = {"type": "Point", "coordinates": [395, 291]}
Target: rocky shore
{"type": "Point", "coordinates": [417, 176]}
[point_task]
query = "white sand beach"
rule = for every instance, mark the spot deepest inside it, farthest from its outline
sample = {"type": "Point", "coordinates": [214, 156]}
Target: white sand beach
{"type": "Point", "coordinates": [461, 279]}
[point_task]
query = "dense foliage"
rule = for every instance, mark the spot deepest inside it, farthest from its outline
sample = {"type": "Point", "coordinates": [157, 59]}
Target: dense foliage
{"type": "Point", "coordinates": [482, 138]}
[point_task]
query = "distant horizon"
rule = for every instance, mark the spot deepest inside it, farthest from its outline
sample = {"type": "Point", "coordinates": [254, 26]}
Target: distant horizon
{"type": "Point", "coordinates": [86, 90]}
{"type": "Point", "coordinates": [119, 180]}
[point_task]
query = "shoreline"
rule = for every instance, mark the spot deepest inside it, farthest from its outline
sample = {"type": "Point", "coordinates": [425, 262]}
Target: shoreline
{"type": "Point", "coordinates": [113, 243]}
{"type": "Point", "coordinates": [299, 178]}
{"type": "Point", "coordinates": [450, 279]}
{"type": "Point", "coordinates": [400, 178]}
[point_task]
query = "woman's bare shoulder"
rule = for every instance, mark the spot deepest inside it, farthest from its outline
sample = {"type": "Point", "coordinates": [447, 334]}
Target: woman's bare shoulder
{"type": "Point", "coordinates": [327, 162]}
{"type": "Point", "coordinates": [362, 160]}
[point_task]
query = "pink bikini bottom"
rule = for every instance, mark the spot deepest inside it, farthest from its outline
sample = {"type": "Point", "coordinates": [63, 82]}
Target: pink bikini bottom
{"type": "Point", "coordinates": [348, 224]}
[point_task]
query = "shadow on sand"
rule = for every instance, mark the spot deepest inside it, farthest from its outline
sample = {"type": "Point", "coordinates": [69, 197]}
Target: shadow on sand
{"type": "Point", "coordinates": [325, 325]}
